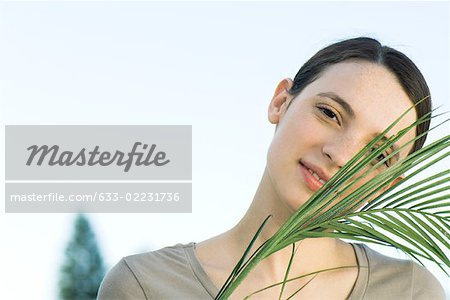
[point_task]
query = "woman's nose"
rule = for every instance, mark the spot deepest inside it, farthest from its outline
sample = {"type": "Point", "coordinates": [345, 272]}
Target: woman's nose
{"type": "Point", "coordinates": [341, 149]}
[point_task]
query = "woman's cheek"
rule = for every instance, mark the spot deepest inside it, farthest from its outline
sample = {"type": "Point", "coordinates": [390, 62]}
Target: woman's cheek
{"type": "Point", "coordinates": [361, 178]}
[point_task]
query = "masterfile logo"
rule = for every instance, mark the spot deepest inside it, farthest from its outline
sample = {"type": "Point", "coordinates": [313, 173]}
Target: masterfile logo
{"type": "Point", "coordinates": [68, 158]}
{"type": "Point", "coordinates": [100, 168]}
{"type": "Point", "coordinates": [100, 152]}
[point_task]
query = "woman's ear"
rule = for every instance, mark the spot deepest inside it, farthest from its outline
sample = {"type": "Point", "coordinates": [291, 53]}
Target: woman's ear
{"type": "Point", "coordinates": [280, 100]}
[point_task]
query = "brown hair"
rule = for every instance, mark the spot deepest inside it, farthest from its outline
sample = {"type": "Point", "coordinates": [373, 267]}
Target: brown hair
{"type": "Point", "coordinates": [371, 50]}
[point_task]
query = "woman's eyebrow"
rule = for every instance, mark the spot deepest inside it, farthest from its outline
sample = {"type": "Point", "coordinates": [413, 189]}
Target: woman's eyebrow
{"type": "Point", "coordinates": [340, 101]}
{"type": "Point", "coordinates": [347, 107]}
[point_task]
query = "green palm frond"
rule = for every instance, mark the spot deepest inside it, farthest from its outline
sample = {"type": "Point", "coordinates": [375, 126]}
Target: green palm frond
{"type": "Point", "coordinates": [299, 277]}
{"type": "Point", "coordinates": [412, 217]}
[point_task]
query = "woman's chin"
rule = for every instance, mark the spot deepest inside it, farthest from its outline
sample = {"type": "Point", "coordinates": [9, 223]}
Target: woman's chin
{"type": "Point", "coordinates": [295, 203]}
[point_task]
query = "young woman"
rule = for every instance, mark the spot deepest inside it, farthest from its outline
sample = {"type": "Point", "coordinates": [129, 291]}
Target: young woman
{"type": "Point", "coordinates": [340, 100]}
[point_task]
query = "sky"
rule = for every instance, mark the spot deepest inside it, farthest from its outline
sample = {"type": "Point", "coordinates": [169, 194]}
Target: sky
{"type": "Point", "coordinates": [212, 65]}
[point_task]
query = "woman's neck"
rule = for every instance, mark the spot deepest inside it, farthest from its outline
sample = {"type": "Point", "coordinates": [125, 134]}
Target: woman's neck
{"type": "Point", "coordinates": [312, 254]}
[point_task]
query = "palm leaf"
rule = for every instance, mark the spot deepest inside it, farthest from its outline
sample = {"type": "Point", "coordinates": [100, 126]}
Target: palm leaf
{"type": "Point", "coordinates": [413, 218]}
{"type": "Point", "coordinates": [299, 277]}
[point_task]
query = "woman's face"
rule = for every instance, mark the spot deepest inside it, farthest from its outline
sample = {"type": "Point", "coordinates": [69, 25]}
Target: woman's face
{"type": "Point", "coordinates": [329, 122]}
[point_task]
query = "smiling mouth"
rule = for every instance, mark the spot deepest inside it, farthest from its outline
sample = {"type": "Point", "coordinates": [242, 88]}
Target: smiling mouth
{"type": "Point", "coordinates": [311, 178]}
{"type": "Point", "coordinates": [316, 176]}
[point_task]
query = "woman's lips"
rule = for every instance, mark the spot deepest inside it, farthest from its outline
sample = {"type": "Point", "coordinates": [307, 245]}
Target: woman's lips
{"type": "Point", "coordinates": [311, 181]}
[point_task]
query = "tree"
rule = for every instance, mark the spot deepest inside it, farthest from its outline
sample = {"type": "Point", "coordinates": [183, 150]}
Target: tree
{"type": "Point", "coordinates": [83, 269]}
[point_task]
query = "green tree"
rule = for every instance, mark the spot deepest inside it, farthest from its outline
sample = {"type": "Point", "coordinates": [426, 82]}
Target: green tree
{"type": "Point", "coordinates": [83, 269]}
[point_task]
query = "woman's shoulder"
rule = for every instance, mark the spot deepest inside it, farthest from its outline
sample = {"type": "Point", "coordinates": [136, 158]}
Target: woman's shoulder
{"type": "Point", "coordinates": [121, 283]}
{"type": "Point", "coordinates": [388, 276]}
{"type": "Point", "coordinates": [170, 255]}
{"type": "Point", "coordinates": [150, 275]}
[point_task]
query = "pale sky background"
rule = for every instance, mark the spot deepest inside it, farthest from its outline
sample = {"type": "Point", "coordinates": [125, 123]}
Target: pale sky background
{"type": "Point", "coordinates": [210, 65]}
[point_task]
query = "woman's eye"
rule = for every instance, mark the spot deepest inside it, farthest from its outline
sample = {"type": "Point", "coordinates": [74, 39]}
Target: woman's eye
{"type": "Point", "coordinates": [381, 157]}
{"type": "Point", "coordinates": [329, 113]}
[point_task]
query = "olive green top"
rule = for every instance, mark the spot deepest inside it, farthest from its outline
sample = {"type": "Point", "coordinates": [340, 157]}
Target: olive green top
{"type": "Point", "coordinates": [175, 273]}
